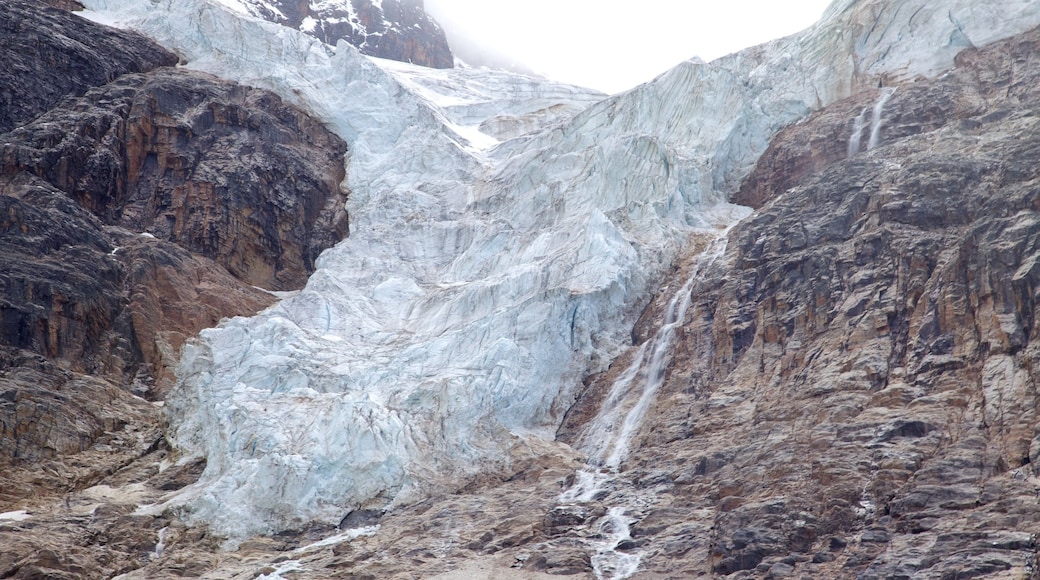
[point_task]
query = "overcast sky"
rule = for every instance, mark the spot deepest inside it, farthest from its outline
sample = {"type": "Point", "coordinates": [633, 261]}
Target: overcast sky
{"type": "Point", "coordinates": [613, 45]}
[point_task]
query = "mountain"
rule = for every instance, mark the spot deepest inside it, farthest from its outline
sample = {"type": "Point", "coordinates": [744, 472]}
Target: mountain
{"type": "Point", "coordinates": [852, 393]}
{"type": "Point", "coordinates": [141, 204]}
{"type": "Point", "coordinates": [553, 345]}
{"type": "Point", "coordinates": [394, 29]}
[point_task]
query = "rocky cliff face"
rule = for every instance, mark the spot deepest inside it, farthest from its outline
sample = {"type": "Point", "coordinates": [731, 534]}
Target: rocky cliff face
{"type": "Point", "coordinates": [50, 54]}
{"type": "Point", "coordinates": [223, 170]}
{"type": "Point", "coordinates": [393, 29]}
{"type": "Point", "coordinates": [848, 388]}
{"type": "Point", "coordinates": [111, 204]}
{"type": "Point", "coordinates": [854, 393]}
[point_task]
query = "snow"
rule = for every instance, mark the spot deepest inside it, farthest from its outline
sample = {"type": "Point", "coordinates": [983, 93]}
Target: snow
{"type": "Point", "coordinates": [506, 232]}
{"type": "Point", "coordinates": [340, 538]}
{"type": "Point", "coordinates": [15, 516]}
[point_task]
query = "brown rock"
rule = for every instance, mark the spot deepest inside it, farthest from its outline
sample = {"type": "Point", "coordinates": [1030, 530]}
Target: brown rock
{"type": "Point", "coordinates": [91, 310]}
{"type": "Point", "coordinates": [223, 170]}
{"type": "Point", "coordinates": [864, 353]}
{"type": "Point", "coordinates": [101, 301]}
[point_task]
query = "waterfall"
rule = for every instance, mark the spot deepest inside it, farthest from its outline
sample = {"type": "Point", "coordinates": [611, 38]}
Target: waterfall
{"type": "Point", "coordinates": [607, 562]}
{"type": "Point", "coordinates": [598, 440]}
{"type": "Point", "coordinates": [875, 119]}
{"type": "Point", "coordinates": [859, 124]}
{"type": "Point", "coordinates": [607, 440]}
{"type": "Point", "coordinates": [608, 437]}
{"type": "Point", "coordinates": [160, 546]}
{"type": "Point", "coordinates": [857, 132]}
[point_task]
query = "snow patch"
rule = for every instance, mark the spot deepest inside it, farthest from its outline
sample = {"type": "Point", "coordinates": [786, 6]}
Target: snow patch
{"type": "Point", "coordinates": [15, 516]}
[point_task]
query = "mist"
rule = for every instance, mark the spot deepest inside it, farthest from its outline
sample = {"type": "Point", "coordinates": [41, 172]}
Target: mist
{"type": "Point", "coordinates": [611, 45]}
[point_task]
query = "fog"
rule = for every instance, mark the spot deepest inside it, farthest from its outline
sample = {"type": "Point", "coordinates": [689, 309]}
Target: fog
{"type": "Point", "coordinates": [612, 45]}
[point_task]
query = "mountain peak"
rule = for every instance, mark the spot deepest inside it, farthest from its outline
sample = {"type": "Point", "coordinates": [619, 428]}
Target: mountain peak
{"type": "Point", "coordinates": [392, 29]}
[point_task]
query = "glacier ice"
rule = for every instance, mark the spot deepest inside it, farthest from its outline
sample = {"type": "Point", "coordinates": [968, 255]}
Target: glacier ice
{"type": "Point", "coordinates": [505, 231]}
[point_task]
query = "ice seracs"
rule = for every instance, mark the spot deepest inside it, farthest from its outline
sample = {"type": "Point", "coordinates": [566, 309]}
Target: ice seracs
{"type": "Point", "coordinates": [485, 276]}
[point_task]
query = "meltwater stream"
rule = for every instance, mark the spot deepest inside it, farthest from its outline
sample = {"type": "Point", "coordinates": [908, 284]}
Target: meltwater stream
{"type": "Point", "coordinates": [859, 124]}
{"type": "Point", "coordinates": [608, 437]}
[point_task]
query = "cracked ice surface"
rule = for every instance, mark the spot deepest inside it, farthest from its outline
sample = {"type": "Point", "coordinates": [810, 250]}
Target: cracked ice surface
{"type": "Point", "coordinates": [487, 272]}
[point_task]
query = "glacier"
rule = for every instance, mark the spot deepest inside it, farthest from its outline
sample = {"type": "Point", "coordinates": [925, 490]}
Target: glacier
{"type": "Point", "coordinates": [505, 233]}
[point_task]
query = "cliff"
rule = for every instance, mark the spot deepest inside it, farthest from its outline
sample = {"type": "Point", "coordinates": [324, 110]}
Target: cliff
{"type": "Point", "coordinates": [140, 204]}
{"type": "Point", "coordinates": [551, 345]}
{"type": "Point", "coordinates": [853, 391]}
{"type": "Point", "coordinates": [393, 29]}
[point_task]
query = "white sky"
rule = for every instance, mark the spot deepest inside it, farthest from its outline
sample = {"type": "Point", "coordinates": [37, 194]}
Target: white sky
{"type": "Point", "coordinates": [613, 45]}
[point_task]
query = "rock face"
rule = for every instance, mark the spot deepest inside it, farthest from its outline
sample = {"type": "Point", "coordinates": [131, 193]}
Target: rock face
{"type": "Point", "coordinates": [393, 29]}
{"type": "Point", "coordinates": [70, 5]}
{"type": "Point", "coordinates": [103, 301]}
{"type": "Point", "coordinates": [851, 392]}
{"type": "Point", "coordinates": [226, 171]}
{"type": "Point", "coordinates": [485, 280]}
{"type": "Point", "coordinates": [50, 54]}
{"type": "Point", "coordinates": [854, 393]}
{"type": "Point", "coordinates": [110, 203]}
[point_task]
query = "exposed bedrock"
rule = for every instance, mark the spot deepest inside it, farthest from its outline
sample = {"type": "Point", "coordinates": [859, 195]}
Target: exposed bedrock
{"type": "Point", "coordinates": [394, 29]}
{"type": "Point", "coordinates": [135, 211]}
{"type": "Point", "coordinates": [49, 54]}
{"type": "Point", "coordinates": [855, 390]}
{"type": "Point", "coordinates": [226, 171]}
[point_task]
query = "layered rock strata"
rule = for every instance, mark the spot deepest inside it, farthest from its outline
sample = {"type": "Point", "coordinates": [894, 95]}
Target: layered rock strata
{"type": "Point", "coordinates": [226, 171]}
{"type": "Point", "coordinates": [50, 54]}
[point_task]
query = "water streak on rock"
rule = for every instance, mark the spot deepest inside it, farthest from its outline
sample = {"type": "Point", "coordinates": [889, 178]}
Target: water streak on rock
{"type": "Point", "coordinates": [609, 436]}
{"type": "Point", "coordinates": [604, 427]}
{"type": "Point", "coordinates": [857, 132]}
{"type": "Point", "coordinates": [875, 120]}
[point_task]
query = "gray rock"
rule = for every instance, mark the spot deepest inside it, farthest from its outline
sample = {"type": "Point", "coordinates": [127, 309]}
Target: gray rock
{"type": "Point", "coordinates": [47, 54]}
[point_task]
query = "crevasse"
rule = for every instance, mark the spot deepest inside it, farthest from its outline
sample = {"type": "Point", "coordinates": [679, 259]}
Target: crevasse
{"type": "Point", "coordinates": [502, 242]}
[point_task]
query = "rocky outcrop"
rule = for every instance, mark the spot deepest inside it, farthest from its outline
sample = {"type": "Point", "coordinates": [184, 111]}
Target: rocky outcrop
{"type": "Point", "coordinates": [96, 532]}
{"type": "Point", "coordinates": [88, 313]}
{"type": "Point", "coordinates": [103, 301]}
{"type": "Point", "coordinates": [110, 203]}
{"type": "Point", "coordinates": [854, 393]}
{"type": "Point", "coordinates": [226, 171]}
{"type": "Point", "coordinates": [70, 5]}
{"type": "Point", "coordinates": [393, 29]}
{"type": "Point", "coordinates": [49, 54]}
